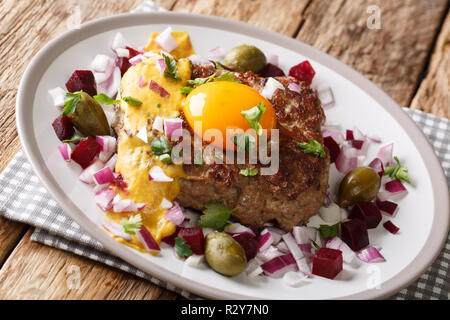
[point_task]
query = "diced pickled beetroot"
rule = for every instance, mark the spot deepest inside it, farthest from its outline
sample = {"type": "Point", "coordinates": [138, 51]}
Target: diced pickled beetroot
{"type": "Point", "coordinates": [170, 240]}
{"type": "Point", "coordinates": [357, 144]}
{"type": "Point", "coordinates": [367, 212]}
{"type": "Point", "coordinates": [333, 148]}
{"type": "Point", "coordinates": [82, 80]}
{"type": "Point", "coordinates": [255, 230]}
{"type": "Point", "coordinates": [133, 52]}
{"type": "Point", "coordinates": [248, 243]}
{"type": "Point", "coordinates": [194, 238]}
{"type": "Point", "coordinates": [86, 151]}
{"type": "Point", "coordinates": [349, 135]}
{"type": "Point", "coordinates": [271, 70]}
{"type": "Point", "coordinates": [392, 228]}
{"type": "Point", "coordinates": [123, 64]}
{"type": "Point", "coordinates": [354, 234]}
{"type": "Point", "coordinates": [63, 127]}
{"type": "Point", "coordinates": [327, 263]}
{"type": "Point", "coordinates": [303, 72]}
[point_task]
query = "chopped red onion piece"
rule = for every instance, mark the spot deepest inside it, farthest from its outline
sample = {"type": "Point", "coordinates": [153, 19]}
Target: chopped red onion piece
{"type": "Point", "coordinates": [347, 160]}
{"type": "Point", "coordinates": [158, 124]}
{"type": "Point", "coordinates": [283, 247]}
{"type": "Point", "coordinates": [269, 253]}
{"type": "Point", "coordinates": [136, 59]}
{"type": "Point", "coordinates": [196, 261]}
{"type": "Point", "coordinates": [347, 254]}
{"type": "Point", "coordinates": [395, 186]}
{"type": "Point", "coordinates": [385, 154]}
{"type": "Point", "coordinates": [175, 214]}
{"type": "Point", "coordinates": [123, 53]}
{"type": "Point", "coordinates": [158, 89]}
{"type": "Point", "coordinates": [330, 214]}
{"type": "Point", "coordinates": [237, 228]}
{"type": "Point", "coordinates": [161, 64]}
{"type": "Point", "coordinates": [270, 87]}
{"type": "Point", "coordinates": [294, 87]}
{"type": "Point", "coordinates": [157, 174]}
{"type": "Point", "coordinates": [272, 58]}
{"type": "Point", "coordinates": [276, 234]}
{"type": "Point", "coordinates": [377, 165]}
{"type": "Point", "coordinates": [86, 175]}
{"type": "Point", "coordinates": [102, 63]}
{"type": "Point", "coordinates": [142, 82]}
{"type": "Point", "coordinates": [118, 41]}
{"type": "Point", "coordinates": [111, 84]}
{"type": "Point", "coordinates": [370, 255]}
{"type": "Point", "coordinates": [65, 151]}
{"type": "Point", "coordinates": [103, 198]}
{"type": "Point", "coordinates": [292, 246]}
{"type": "Point", "coordinates": [173, 128]}
{"type": "Point", "coordinates": [165, 204]}
{"type": "Point", "coordinates": [103, 176]}
{"type": "Point", "coordinates": [124, 205]}
{"type": "Point", "coordinates": [325, 95]}
{"type": "Point", "coordinates": [392, 228]}
{"type": "Point", "coordinates": [253, 269]}
{"type": "Point", "coordinates": [147, 240]}
{"type": "Point", "coordinates": [265, 241]}
{"type": "Point", "coordinates": [336, 135]}
{"type": "Point", "coordinates": [199, 60]}
{"type": "Point", "coordinates": [387, 207]}
{"type": "Point", "coordinates": [279, 266]}
{"type": "Point", "coordinates": [116, 229]}
{"type": "Point", "coordinates": [166, 41]}
{"type": "Point", "coordinates": [108, 144]}
{"type": "Point", "coordinates": [217, 52]}
{"type": "Point", "coordinates": [111, 163]}
{"type": "Point", "coordinates": [304, 234]}
{"type": "Point", "coordinates": [58, 95]}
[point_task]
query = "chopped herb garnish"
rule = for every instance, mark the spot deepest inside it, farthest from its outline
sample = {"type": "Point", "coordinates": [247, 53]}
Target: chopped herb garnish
{"type": "Point", "coordinates": [254, 115]}
{"type": "Point", "coordinates": [71, 103]}
{"type": "Point", "coordinates": [160, 145]}
{"type": "Point", "coordinates": [172, 70]}
{"type": "Point", "coordinates": [158, 105]}
{"type": "Point", "coordinates": [165, 158]}
{"type": "Point", "coordinates": [312, 146]}
{"type": "Point", "coordinates": [198, 159]}
{"type": "Point", "coordinates": [244, 141]}
{"type": "Point", "coordinates": [186, 90]}
{"type": "Point", "coordinates": [315, 244]}
{"type": "Point", "coordinates": [132, 224]}
{"type": "Point", "coordinates": [226, 76]}
{"type": "Point", "coordinates": [215, 216]}
{"type": "Point", "coordinates": [218, 65]}
{"type": "Point", "coordinates": [182, 249]}
{"type": "Point", "coordinates": [397, 172]}
{"type": "Point", "coordinates": [75, 138]}
{"type": "Point", "coordinates": [248, 172]}
{"type": "Point", "coordinates": [329, 231]}
{"type": "Point", "coordinates": [132, 101]}
{"type": "Point", "coordinates": [103, 98]}
{"type": "Point", "coordinates": [199, 81]}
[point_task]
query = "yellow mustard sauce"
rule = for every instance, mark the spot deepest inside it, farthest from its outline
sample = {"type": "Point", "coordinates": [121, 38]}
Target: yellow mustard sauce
{"type": "Point", "coordinates": [135, 158]}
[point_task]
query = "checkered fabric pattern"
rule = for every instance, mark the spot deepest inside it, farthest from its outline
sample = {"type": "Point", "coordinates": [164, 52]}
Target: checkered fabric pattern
{"type": "Point", "coordinates": [24, 199]}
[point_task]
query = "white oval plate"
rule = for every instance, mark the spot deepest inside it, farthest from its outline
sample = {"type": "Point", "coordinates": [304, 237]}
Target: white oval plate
{"type": "Point", "coordinates": [423, 216]}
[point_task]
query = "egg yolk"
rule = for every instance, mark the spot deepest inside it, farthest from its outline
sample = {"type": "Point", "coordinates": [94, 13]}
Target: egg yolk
{"type": "Point", "coordinates": [218, 105]}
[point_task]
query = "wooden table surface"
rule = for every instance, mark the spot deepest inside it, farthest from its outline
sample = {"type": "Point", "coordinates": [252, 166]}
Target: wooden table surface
{"type": "Point", "coordinates": [408, 57]}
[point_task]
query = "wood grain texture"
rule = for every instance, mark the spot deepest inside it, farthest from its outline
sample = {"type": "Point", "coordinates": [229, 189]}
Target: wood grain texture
{"type": "Point", "coordinates": [280, 16]}
{"type": "Point", "coordinates": [433, 94]}
{"type": "Point", "coordinates": [34, 271]}
{"type": "Point", "coordinates": [394, 56]}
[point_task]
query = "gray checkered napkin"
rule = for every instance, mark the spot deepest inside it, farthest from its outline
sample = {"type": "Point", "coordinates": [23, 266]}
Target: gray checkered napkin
{"type": "Point", "coordinates": [24, 199]}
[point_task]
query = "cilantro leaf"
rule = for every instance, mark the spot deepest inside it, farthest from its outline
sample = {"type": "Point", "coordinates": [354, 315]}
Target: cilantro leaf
{"type": "Point", "coordinates": [182, 249]}
{"type": "Point", "coordinates": [160, 145]}
{"type": "Point", "coordinates": [103, 98]}
{"type": "Point", "coordinates": [312, 146]}
{"type": "Point", "coordinates": [71, 103]}
{"type": "Point", "coordinates": [254, 115]}
{"type": "Point", "coordinates": [76, 137]}
{"type": "Point", "coordinates": [132, 101]}
{"type": "Point", "coordinates": [215, 216]}
{"type": "Point", "coordinates": [397, 172]}
{"type": "Point", "coordinates": [199, 81]}
{"type": "Point", "coordinates": [244, 141]}
{"type": "Point", "coordinates": [249, 172]}
{"type": "Point", "coordinates": [226, 76]}
{"type": "Point", "coordinates": [186, 90]}
{"type": "Point", "coordinates": [329, 231]}
{"type": "Point", "coordinates": [171, 65]}
{"type": "Point", "coordinates": [132, 224]}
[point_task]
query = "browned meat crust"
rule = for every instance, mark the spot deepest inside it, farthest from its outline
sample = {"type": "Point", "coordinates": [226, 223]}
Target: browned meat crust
{"type": "Point", "coordinates": [295, 192]}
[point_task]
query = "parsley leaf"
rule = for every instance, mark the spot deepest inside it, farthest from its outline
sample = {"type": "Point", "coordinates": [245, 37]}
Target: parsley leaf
{"type": "Point", "coordinates": [71, 103]}
{"type": "Point", "coordinates": [398, 172]}
{"type": "Point", "coordinates": [171, 65]}
{"type": "Point", "coordinates": [132, 224]}
{"type": "Point", "coordinates": [76, 137]}
{"type": "Point", "coordinates": [160, 145]}
{"type": "Point", "coordinates": [243, 141]}
{"type": "Point", "coordinates": [215, 216]}
{"type": "Point", "coordinates": [312, 146]}
{"type": "Point", "coordinates": [105, 99]}
{"type": "Point", "coordinates": [186, 90]}
{"type": "Point", "coordinates": [226, 76]}
{"type": "Point", "coordinates": [249, 172]}
{"type": "Point", "coordinates": [132, 101]}
{"type": "Point", "coordinates": [329, 231]}
{"type": "Point", "coordinates": [182, 249]}
{"type": "Point", "coordinates": [254, 115]}
{"type": "Point", "coordinates": [199, 81]}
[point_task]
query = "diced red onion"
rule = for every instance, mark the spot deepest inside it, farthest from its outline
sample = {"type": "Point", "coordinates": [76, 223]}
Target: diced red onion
{"type": "Point", "coordinates": [272, 58]}
{"type": "Point", "coordinates": [237, 228]}
{"type": "Point", "coordinates": [104, 197]}
{"type": "Point", "coordinates": [385, 154]}
{"type": "Point", "coordinates": [140, 206]}
{"type": "Point", "coordinates": [269, 253]}
{"type": "Point", "coordinates": [136, 59]}
{"type": "Point", "coordinates": [292, 246]}
{"type": "Point", "coordinates": [161, 64]}
{"type": "Point", "coordinates": [387, 207]}
{"type": "Point", "coordinates": [142, 82]}
{"type": "Point", "coordinates": [123, 53]}
{"type": "Point", "coordinates": [147, 240]}
{"type": "Point", "coordinates": [196, 261]}
{"type": "Point", "coordinates": [173, 128]}
{"type": "Point", "coordinates": [158, 124]}
{"type": "Point", "coordinates": [294, 87]}
{"type": "Point", "coordinates": [103, 176]}
{"type": "Point", "coordinates": [124, 205]}
{"type": "Point", "coordinates": [265, 241]}
{"type": "Point", "coordinates": [276, 234]}
{"type": "Point", "coordinates": [157, 174]}
{"type": "Point", "coordinates": [347, 254]}
{"type": "Point", "coordinates": [199, 60]}
{"type": "Point", "coordinates": [154, 86]}
{"type": "Point", "coordinates": [111, 85]}
{"type": "Point", "coordinates": [336, 135]}
{"type": "Point", "coordinates": [118, 41]}
{"type": "Point", "coordinates": [166, 41]}
{"type": "Point", "coordinates": [304, 234]}
{"type": "Point", "coordinates": [253, 268]}
{"type": "Point", "coordinates": [165, 204]}
{"type": "Point", "coordinates": [217, 52]}
{"type": "Point", "coordinates": [370, 254]}
{"type": "Point", "coordinates": [149, 54]}
{"type": "Point", "coordinates": [111, 163]}
{"type": "Point", "coordinates": [86, 175]}
{"type": "Point", "coordinates": [395, 186]}
{"type": "Point", "coordinates": [305, 248]}
{"type": "Point", "coordinates": [282, 247]}
{"type": "Point", "coordinates": [175, 214]}
{"type": "Point", "coordinates": [392, 228]}
{"type": "Point", "coordinates": [103, 64]}
{"type": "Point", "coordinates": [108, 144]}
{"type": "Point", "coordinates": [116, 229]}
{"type": "Point", "coordinates": [270, 87]}
{"type": "Point", "coordinates": [279, 266]}
{"type": "Point", "coordinates": [330, 214]}
{"type": "Point", "coordinates": [347, 160]}
{"type": "Point", "coordinates": [142, 134]}
{"type": "Point", "coordinates": [377, 165]}
{"type": "Point", "coordinates": [325, 95]}
{"type": "Point", "coordinates": [65, 151]}
{"type": "Point", "coordinates": [373, 138]}
{"type": "Point", "coordinates": [58, 95]}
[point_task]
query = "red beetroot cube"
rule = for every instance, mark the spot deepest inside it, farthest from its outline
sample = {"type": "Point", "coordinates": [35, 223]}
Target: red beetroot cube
{"type": "Point", "coordinates": [367, 212]}
{"type": "Point", "coordinates": [303, 72]}
{"type": "Point", "coordinates": [354, 233]}
{"type": "Point", "coordinates": [349, 135]}
{"type": "Point", "coordinates": [357, 144]}
{"type": "Point", "coordinates": [82, 80]}
{"type": "Point", "coordinates": [327, 263]}
{"type": "Point", "coordinates": [133, 52]}
{"type": "Point", "coordinates": [194, 238]}
{"type": "Point", "coordinates": [63, 127]}
{"type": "Point", "coordinates": [123, 64]}
{"type": "Point", "coordinates": [248, 243]}
{"type": "Point", "coordinates": [271, 70]}
{"type": "Point", "coordinates": [86, 151]}
{"type": "Point", "coordinates": [333, 148]}
{"type": "Point", "coordinates": [170, 240]}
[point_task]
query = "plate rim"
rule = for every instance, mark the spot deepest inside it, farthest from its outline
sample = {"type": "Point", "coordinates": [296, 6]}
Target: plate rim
{"type": "Point", "coordinates": [28, 85]}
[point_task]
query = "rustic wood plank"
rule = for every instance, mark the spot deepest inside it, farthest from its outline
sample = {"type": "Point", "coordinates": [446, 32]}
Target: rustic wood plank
{"type": "Point", "coordinates": [280, 16]}
{"type": "Point", "coordinates": [393, 56]}
{"type": "Point", "coordinates": [10, 234]}
{"type": "Point", "coordinates": [433, 94]}
{"type": "Point", "coordinates": [34, 271]}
